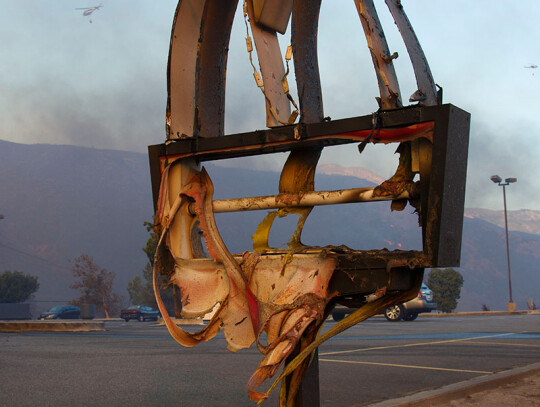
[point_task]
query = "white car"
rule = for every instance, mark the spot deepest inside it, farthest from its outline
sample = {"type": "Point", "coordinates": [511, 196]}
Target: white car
{"type": "Point", "coordinates": [407, 311]}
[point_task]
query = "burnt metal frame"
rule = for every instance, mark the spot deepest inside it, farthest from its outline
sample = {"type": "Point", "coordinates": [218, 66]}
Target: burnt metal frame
{"type": "Point", "coordinates": [443, 167]}
{"type": "Point", "coordinates": [442, 170]}
{"type": "Point", "coordinates": [195, 121]}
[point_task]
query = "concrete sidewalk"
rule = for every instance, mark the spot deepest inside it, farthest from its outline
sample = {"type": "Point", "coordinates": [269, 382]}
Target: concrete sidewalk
{"type": "Point", "coordinates": [481, 391]}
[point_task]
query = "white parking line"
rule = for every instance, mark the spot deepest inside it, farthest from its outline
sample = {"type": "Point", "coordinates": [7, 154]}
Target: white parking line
{"type": "Point", "coordinates": [408, 345]}
{"type": "Point", "coordinates": [406, 366]}
{"type": "Point", "coordinates": [525, 345]}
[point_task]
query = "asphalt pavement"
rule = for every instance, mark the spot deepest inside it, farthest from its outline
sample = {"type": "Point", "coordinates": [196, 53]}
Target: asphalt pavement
{"type": "Point", "coordinates": [140, 364]}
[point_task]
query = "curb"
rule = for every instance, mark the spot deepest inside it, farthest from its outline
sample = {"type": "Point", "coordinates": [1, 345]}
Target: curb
{"type": "Point", "coordinates": [182, 321]}
{"type": "Point", "coordinates": [470, 314]}
{"type": "Point", "coordinates": [476, 313]}
{"type": "Point", "coordinates": [98, 324]}
{"type": "Point", "coordinates": [460, 390]}
{"type": "Point", "coordinates": [466, 314]}
{"type": "Point", "coordinates": [51, 326]}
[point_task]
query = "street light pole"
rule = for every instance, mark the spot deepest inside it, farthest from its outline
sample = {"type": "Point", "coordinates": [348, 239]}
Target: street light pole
{"type": "Point", "coordinates": [511, 306]}
{"type": "Point", "coordinates": [507, 245]}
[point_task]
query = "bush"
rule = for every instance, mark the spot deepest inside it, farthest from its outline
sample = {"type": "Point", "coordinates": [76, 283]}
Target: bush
{"type": "Point", "coordinates": [446, 286]}
{"type": "Point", "coordinates": [16, 286]}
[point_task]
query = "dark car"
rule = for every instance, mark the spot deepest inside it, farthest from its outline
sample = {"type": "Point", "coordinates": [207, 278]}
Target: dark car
{"type": "Point", "coordinates": [407, 311]}
{"type": "Point", "coordinates": [62, 312]}
{"type": "Point", "coordinates": [140, 313]}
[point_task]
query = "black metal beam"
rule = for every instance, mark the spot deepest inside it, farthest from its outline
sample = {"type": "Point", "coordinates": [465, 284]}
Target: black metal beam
{"type": "Point", "coordinates": [444, 216]}
{"type": "Point", "coordinates": [286, 138]}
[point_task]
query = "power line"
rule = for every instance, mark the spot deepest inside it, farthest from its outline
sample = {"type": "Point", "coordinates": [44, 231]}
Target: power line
{"type": "Point", "coordinates": [34, 257]}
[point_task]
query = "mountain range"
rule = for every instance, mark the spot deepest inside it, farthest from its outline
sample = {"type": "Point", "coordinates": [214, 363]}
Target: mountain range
{"type": "Point", "coordinates": [523, 220]}
{"type": "Point", "coordinates": [60, 201]}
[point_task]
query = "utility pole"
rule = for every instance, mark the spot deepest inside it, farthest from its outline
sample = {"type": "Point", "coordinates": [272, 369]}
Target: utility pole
{"type": "Point", "coordinates": [511, 306]}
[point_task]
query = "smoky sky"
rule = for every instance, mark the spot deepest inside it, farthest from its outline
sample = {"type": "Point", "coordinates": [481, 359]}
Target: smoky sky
{"type": "Point", "coordinates": [64, 80]}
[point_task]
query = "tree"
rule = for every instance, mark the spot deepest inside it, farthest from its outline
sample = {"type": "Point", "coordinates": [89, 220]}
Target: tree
{"type": "Point", "coordinates": [141, 290]}
{"type": "Point", "coordinates": [446, 286]}
{"type": "Point", "coordinates": [151, 243]}
{"type": "Point", "coordinates": [16, 286]}
{"type": "Point", "coordinates": [95, 285]}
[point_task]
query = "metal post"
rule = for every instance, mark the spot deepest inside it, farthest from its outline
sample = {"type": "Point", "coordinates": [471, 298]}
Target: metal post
{"type": "Point", "coordinates": [507, 250]}
{"type": "Point", "coordinates": [309, 393]}
{"type": "Point", "coordinates": [511, 306]}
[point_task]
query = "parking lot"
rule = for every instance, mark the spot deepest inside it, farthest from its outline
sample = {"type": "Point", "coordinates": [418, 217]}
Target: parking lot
{"type": "Point", "coordinates": [138, 363]}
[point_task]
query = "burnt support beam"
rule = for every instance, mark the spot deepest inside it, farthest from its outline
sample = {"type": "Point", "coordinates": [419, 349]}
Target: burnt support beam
{"type": "Point", "coordinates": [444, 215]}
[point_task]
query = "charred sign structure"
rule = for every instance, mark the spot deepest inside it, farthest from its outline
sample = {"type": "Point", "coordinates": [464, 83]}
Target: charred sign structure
{"type": "Point", "coordinates": [276, 298]}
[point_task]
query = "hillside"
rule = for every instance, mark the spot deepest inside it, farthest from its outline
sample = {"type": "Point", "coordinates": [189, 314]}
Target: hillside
{"type": "Point", "coordinates": [63, 201]}
{"type": "Point", "coordinates": [523, 220]}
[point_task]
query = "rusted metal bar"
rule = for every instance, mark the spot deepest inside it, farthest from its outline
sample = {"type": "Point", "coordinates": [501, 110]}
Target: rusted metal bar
{"type": "Point", "coordinates": [272, 69]}
{"type": "Point", "coordinates": [426, 93]}
{"type": "Point", "coordinates": [311, 198]}
{"type": "Point", "coordinates": [382, 60]}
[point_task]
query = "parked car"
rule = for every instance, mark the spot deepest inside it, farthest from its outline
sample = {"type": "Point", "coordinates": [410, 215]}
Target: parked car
{"type": "Point", "coordinates": [140, 313]}
{"type": "Point", "coordinates": [62, 312]}
{"type": "Point", "coordinates": [407, 311]}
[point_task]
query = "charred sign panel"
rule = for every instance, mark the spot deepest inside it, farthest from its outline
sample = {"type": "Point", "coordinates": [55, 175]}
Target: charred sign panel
{"type": "Point", "coordinates": [279, 298]}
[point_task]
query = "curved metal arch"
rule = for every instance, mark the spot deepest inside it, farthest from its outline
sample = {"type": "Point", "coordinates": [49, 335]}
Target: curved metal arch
{"type": "Point", "coordinates": [197, 68]}
{"type": "Point", "coordinates": [380, 54]}
{"type": "Point", "coordinates": [198, 58]}
{"type": "Point", "coordinates": [427, 93]}
{"type": "Point", "coordinates": [298, 173]}
{"type": "Point", "coordinates": [181, 76]}
{"type": "Point", "coordinates": [212, 67]}
{"type": "Point", "coordinates": [305, 23]}
{"type": "Point", "coordinates": [197, 65]}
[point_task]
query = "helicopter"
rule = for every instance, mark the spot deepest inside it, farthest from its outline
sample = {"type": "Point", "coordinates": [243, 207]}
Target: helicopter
{"type": "Point", "coordinates": [89, 10]}
{"type": "Point", "coordinates": [532, 66]}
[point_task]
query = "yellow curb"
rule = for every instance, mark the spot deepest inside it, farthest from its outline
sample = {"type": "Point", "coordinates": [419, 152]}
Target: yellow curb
{"type": "Point", "coordinates": [51, 326]}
